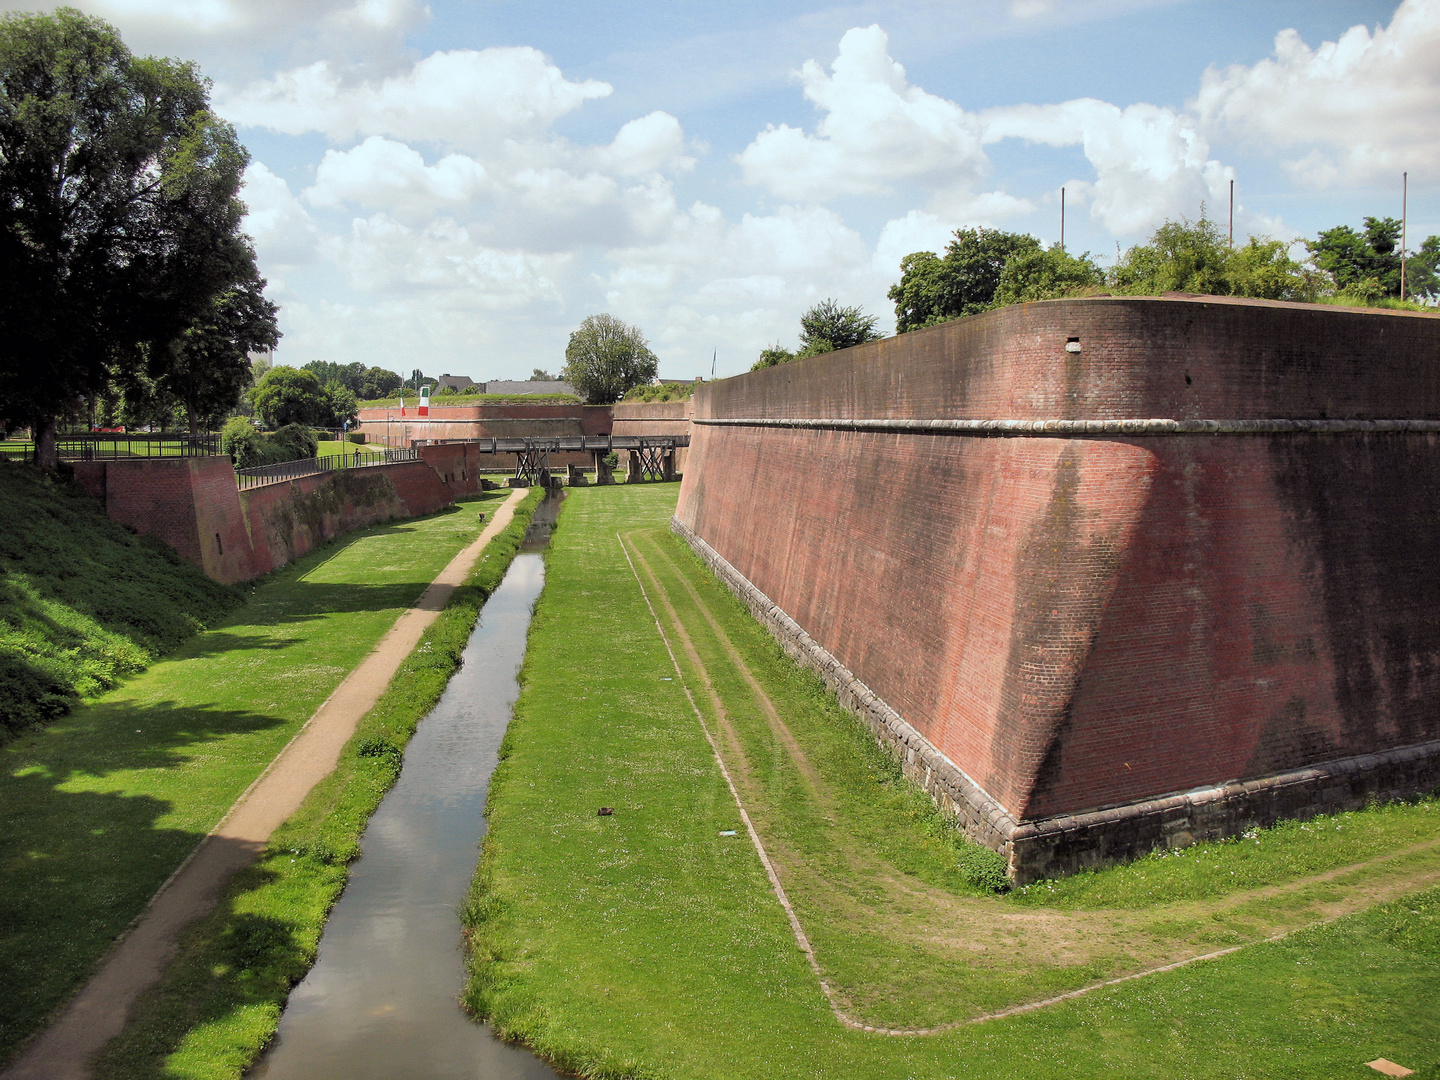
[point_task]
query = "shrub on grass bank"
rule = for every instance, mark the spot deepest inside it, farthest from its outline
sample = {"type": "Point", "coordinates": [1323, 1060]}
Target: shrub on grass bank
{"type": "Point", "coordinates": [83, 601]}
{"type": "Point", "coordinates": [249, 448]}
{"type": "Point", "coordinates": [219, 1002]}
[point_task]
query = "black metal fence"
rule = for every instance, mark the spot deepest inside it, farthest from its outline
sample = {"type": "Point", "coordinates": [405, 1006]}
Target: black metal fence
{"type": "Point", "coordinates": [292, 470]}
{"type": "Point", "coordinates": [112, 446]}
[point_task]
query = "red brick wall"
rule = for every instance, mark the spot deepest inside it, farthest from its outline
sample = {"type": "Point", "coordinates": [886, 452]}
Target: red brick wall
{"type": "Point", "coordinates": [1079, 622]}
{"type": "Point", "coordinates": [193, 505]}
{"type": "Point", "coordinates": [482, 422]}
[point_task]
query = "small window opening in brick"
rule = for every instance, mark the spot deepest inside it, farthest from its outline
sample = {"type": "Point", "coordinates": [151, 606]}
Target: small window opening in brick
{"type": "Point", "coordinates": [1072, 344]}
{"type": "Point", "coordinates": [219, 545]}
{"type": "Point", "coordinates": [1188, 380]}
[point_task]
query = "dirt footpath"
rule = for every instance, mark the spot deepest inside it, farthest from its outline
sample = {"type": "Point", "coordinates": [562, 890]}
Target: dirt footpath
{"type": "Point", "coordinates": [97, 1013]}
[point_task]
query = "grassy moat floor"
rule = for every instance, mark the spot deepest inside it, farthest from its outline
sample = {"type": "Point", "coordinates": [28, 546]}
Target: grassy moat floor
{"type": "Point", "coordinates": [650, 943]}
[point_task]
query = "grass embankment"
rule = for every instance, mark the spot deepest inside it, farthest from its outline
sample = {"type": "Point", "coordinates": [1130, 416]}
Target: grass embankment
{"type": "Point", "coordinates": [84, 602]}
{"type": "Point", "coordinates": [220, 1000]}
{"type": "Point", "coordinates": [650, 944]}
{"type": "Point", "coordinates": [96, 810]}
{"type": "Point", "coordinates": [413, 400]}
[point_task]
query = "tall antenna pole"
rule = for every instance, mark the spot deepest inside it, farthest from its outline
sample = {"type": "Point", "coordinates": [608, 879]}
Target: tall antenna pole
{"type": "Point", "coordinates": [1404, 221]}
{"type": "Point", "coordinates": [1232, 213]}
{"type": "Point", "coordinates": [1062, 219]}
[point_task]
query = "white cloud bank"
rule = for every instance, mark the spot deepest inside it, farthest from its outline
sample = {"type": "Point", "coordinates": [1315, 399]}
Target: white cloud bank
{"type": "Point", "coordinates": [877, 130]}
{"type": "Point", "coordinates": [463, 98]}
{"type": "Point", "coordinates": [1348, 112]}
{"type": "Point", "coordinates": [448, 215]}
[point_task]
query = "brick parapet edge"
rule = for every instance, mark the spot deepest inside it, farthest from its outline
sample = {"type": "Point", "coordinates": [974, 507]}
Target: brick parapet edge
{"type": "Point", "coordinates": [1067, 843]}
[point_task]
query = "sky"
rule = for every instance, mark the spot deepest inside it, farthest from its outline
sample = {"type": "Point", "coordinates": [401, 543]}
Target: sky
{"type": "Point", "coordinates": [455, 185]}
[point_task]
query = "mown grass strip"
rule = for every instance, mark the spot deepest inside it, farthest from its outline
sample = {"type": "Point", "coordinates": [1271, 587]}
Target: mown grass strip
{"type": "Point", "coordinates": [97, 809]}
{"type": "Point", "coordinates": [649, 944]}
{"type": "Point", "coordinates": [220, 1000]}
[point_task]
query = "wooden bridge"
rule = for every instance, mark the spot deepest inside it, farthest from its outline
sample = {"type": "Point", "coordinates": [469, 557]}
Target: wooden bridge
{"type": "Point", "coordinates": [651, 456]}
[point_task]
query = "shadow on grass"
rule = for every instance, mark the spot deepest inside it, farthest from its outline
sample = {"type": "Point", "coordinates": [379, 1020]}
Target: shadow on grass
{"type": "Point", "coordinates": [234, 966]}
{"type": "Point", "coordinates": [77, 865]}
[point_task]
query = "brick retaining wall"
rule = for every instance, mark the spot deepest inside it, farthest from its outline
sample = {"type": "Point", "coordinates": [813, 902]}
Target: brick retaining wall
{"type": "Point", "coordinates": [194, 506]}
{"type": "Point", "coordinates": [1077, 622]}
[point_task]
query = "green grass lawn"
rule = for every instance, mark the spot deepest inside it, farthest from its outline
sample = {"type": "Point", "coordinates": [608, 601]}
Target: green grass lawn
{"type": "Point", "coordinates": [648, 943]}
{"type": "Point", "coordinates": [97, 809]}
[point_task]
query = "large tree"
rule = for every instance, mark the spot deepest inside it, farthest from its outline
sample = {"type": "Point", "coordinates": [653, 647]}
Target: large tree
{"type": "Point", "coordinates": [288, 395]}
{"type": "Point", "coordinates": [1195, 256]}
{"type": "Point", "coordinates": [607, 357]}
{"type": "Point", "coordinates": [825, 327]}
{"type": "Point", "coordinates": [933, 289]}
{"type": "Point", "coordinates": [119, 216]}
{"type": "Point", "coordinates": [1046, 274]}
{"type": "Point", "coordinates": [1366, 263]}
{"type": "Point", "coordinates": [208, 366]}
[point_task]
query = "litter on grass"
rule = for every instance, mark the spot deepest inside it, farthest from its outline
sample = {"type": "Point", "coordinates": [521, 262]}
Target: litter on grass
{"type": "Point", "coordinates": [1389, 1068]}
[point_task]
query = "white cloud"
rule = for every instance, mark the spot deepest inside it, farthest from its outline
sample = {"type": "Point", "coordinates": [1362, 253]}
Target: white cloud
{"type": "Point", "coordinates": [383, 255]}
{"type": "Point", "coordinates": [384, 173]}
{"type": "Point", "coordinates": [283, 232]}
{"type": "Point", "coordinates": [465, 99]}
{"type": "Point", "coordinates": [238, 39]}
{"type": "Point", "coordinates": [739, 286]}
{"type": "Point", "coordinates": [1151, 163]}
{"type": "Point", "coordinates": [1363, 106]}
{"type": "Point", "coordinates": [651, 144]}
{"type": "Point", "coordinates": [877, 130]}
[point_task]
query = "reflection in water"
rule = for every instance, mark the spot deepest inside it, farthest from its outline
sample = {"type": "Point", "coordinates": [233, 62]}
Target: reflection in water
{"type": "Point", "coordinates": [381, 1000]}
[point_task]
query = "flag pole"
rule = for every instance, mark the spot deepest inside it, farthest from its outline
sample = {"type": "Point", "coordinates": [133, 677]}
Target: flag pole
{"type": "Point", "coordinates": [1404, 222]}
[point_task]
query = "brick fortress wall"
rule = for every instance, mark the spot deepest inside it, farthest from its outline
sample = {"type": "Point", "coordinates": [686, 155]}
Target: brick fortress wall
{"type": "Point", "coordinates": [655, 418]}
{"type": "Point", "coordinates": [1064, 631]}
{"type": "Point", "coordinates": [450, 423]}
{"type": "Point", "coordinates": [194, 506]}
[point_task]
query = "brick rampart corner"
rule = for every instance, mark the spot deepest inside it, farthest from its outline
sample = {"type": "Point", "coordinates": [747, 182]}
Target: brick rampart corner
{"type": "Point", "coordinates": [1067, 843]}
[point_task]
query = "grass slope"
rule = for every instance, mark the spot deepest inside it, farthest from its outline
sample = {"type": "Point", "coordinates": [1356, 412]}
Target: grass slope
{"type": "Point", "coordinates": [98, 809]}
{"type": "Point", "coordinates": [83, 601]}
{"type": "Point", "coordinates": [650, 944]}
{"type": "Point", "coordinates": [220, 1000]}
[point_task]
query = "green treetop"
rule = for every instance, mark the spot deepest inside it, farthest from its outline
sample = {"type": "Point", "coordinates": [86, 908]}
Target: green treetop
{"type": "Point", "coordinates": [605, 358]}
{"type": "Point", "coordinates": [119, 216]}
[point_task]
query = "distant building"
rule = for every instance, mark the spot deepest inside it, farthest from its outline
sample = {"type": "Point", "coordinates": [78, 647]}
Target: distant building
{"type": "Point", "coordinates": [458, 383]}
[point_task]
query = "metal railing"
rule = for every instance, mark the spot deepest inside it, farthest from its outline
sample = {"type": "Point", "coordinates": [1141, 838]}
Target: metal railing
{"type": "Point", "coordinates": [113, 446]}
{"type": "Point", "coordinates": [257, 475]}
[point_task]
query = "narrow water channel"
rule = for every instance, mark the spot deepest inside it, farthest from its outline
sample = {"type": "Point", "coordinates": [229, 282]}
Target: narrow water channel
{"type": "Point", "coordinates": [382, 998]}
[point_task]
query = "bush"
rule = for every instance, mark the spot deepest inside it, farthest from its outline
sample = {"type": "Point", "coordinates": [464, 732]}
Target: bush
{"type": "Point", "coordinates": [295, 441]}
{"type": "Point", "coordinates": [238, 438]}
{"type": "Point", "coordinates": [291, 443]}
{"type": "Point", "coordinates": [356, 437]}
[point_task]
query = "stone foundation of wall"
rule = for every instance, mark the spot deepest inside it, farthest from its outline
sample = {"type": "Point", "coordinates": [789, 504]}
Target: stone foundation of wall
{"type": "Point", "coordinates": [1066, 843]}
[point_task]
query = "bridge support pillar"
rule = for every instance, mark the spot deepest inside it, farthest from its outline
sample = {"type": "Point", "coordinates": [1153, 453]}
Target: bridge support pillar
{"type": "Point", "coordinates": [603, 475]}
{"type": "Point", "coordinates": [575, 476]}
{"type": "Point", "coordinates": [634, 472]}
{"type": "Point", "coordinates": [667, 465]}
